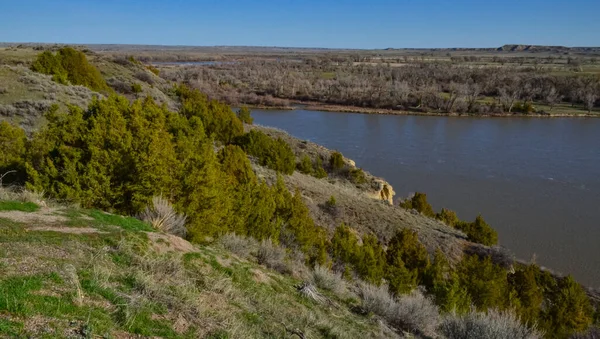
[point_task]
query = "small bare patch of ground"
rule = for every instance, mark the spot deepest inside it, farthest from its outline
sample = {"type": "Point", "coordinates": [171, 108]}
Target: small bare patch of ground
{"type": "Point", "coordinates": [22, 258]}
{"type": "Point", "coordinates": [163, 243]}
{"type": "Point", "coordinates": [60, 229]}
{"type": "Point", "coordinates": [43, 216]}
{"type": "Point", "coordinates": [260, 276]}
{"type": "Point", "coordinates": [225, 262]}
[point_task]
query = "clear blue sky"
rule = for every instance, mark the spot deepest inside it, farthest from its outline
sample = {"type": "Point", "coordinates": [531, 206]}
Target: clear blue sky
{"type": "Point", "coordinates": [304, 23]}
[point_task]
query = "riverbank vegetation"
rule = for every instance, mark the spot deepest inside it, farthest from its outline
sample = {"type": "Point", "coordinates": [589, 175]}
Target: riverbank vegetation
{"type": "Point", "coordinates": [427, 82]}
{"type": "Point", "coordinates": [198, 163]}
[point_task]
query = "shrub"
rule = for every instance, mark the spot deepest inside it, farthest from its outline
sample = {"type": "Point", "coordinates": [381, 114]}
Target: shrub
{"type": "Point", "coordinates": [485, 281]}
{"type": "Point", "coordinates": [529, 293]}
{"type": "Point", "coordinates": [442, 281]}
{"type": "Point", "coordinates": [244, 115]}
{"type": "Point", "coordinates": [136, 88]}
{"type": "Point", "coordinates": [419, 202]}
{"type": "Point", "coordinates": [479, 231]}
{"type": "Point", "coordinates": [12, 153]}
{"type": "Point", "coordinates": [413, 312]}
{"type": "Point", "coordinates": [273, 153]}
{"type": "Point", "coordinates": [377, 300]}
{"type": "Point", "coordinates": [328, 280]}
{"type": "Point", "coordinates": [371, 263]}
{"type": "Point", "coordinates": [344, 245]}
{"type": "Point", "coordinates": [239, 245]}
{"type": "Point", "coordinates": [145, 77]}
{"type": "Point", "coordinates": [120, 86]}
{"type": "Point", "coordinates": [336, 161]}
{"type": "Point", "coordinates": [417, 313]}
{"type": "Point", "coordinates": [217, 118]}
{"type": "Point", "coordinates": [405, 245]}
{"type": "Point", "coordinates": [153, 69]}
{"type": "Point", "coordinates": [236, 164]}
{"type": "Point", "coordinates": [448, 217]}
{"type": "Point", "coordinates": [70, 65]}
{"type": "Point", "coordinates": [163, 217]}
{"type": "Point", "coordinates": [493, 324]}
{"type": "Point", "coordinates": [357, 176]}
{"type": "Point", "coordinates": [570, 309]}
{"type": "Point", "coordinates": [272, 256]}
{"type": "Point", "coordinates": [319, 170]}
{"type": "Point", "coordinates": [305, 165]}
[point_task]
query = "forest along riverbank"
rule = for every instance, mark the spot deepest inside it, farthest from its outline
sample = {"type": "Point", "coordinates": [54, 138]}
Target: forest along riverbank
{"type": "Point", "coordinates": [315, 106]}
{"type": "Point", "coordinates": [534, 180]}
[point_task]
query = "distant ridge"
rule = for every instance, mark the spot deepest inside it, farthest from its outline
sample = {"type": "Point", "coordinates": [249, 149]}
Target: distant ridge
{"type": "Point", "coordinates": [141, 47]}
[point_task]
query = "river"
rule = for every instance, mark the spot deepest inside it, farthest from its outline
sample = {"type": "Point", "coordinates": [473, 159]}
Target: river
{"type": "Point", "coordinates": [535, 180]}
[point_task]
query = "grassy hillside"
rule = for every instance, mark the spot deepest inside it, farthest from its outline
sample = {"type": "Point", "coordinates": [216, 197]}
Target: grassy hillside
{"type": "Point", "coordinates": [71, 272]}
{"type": "Point", "coordinates": [25, 95]}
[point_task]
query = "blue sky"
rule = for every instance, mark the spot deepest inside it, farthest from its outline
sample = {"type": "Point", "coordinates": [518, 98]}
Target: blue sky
{"type": "Point", "coordinates": [306, 23]}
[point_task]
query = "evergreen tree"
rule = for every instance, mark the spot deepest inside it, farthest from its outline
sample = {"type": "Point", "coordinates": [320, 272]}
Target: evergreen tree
{"type": "Point", "coordinates": [13, 144]}
{"type": "Point", "coordinates": [448, 217]}
{"type": "Point", "coordinates": [419, 202]}
{"type": "Point", "coordinates": [485, 281]}
{"type": "Point", "coordinates": [570, 310]}
{"type": "Point", "coordinates": [305, 165]}
{"type": "Point", "coordinates": [336, 161]}
{"type": "Point", "coordinates": [479, 231]}
{"type": "Point", "coordinates": [244, 115]}
{"type": "Point", "coordinates": [372, 261]}
{"type": "Point", "coordinates": [406, 245]}
{"type": "Point", "coordinates": [530, 295]}
{"type": "Point", "coordinates": [319, 170]}
{"type": "Point", "coordinates": [236, 164]}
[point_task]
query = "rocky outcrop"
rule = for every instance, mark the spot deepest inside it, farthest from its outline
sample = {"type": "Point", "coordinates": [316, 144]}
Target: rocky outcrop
{"type": "Point", "coordinates": [381, 190]}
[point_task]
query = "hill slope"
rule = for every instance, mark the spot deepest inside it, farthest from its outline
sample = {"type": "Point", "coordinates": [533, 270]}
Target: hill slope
{"type": "Point", "coordinates": [69, 272]}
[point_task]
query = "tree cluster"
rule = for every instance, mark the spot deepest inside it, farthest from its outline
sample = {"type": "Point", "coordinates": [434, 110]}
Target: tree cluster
{"type": "Point", "coordinates": [477, 231]}
{"type": "Point", "coordinates": [70, 66]}
{"type": "Point", "coordinates": [423, 86]}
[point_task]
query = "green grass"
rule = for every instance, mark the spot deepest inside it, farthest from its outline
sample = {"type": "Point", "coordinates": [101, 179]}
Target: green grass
{"type": "Point", "coordinates": [102, 220]}
{"type": "Point", "coordinates": [18, 206]}
{"type": "Point", "coordinates": [10, 328]}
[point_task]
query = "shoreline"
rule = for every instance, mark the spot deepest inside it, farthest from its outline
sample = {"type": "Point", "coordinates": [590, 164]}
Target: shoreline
{"type": "Point", "coordinates": [317, 106]}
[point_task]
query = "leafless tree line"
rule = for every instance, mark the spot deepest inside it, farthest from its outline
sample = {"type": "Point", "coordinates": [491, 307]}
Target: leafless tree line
{"type": "Point", "coordinates": [432, 87]}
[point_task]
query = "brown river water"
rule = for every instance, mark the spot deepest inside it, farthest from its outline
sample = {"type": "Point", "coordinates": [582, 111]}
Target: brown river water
{"type": "Point", "coordinates": [535, 180]}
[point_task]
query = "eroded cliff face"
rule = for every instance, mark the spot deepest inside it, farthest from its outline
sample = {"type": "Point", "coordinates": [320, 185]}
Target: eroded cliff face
{"type": "Point", "coordinates": [382, 190]}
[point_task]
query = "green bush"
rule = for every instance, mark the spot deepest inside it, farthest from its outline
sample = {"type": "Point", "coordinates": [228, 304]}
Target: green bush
{"type": "Point", "coordinates": [419, 202]}
{"type": "Point", "coordinates": [245, 116]}
{"type": "Point", "coordinates": [218, 119]}
{"type": "Point", "coordinates": [479, 231]}
{"type": "Point", "coordinates": [357, 176]}
{"type": "Point", "coordinates": [12, 153]}
{"type": "Point", "coordinates": [407, 261]}
{"type": "Point", "coordinates": [69, 65]}
{"type": "Point", "coordinates": [153, 69]}
{"type": "Point", "coordinates": [442, 281]}
{"type": "Point", "coordinates": [448, 217]}
{"type": "Point", "coordinates": [136, 88]}
{"type": "Point", "coordinates": [485, 281]}
{"type": "Point", "coordinates": [305, 165]}
{"type": "Point", "coordinates": [372, 261]}
{"type": "Point", "coordinates": [236, 164]}
{"type": "Point", "coordinates": [336, 161]}
{"type": "Point", "coordinates": [569, 309]}
{"type": "Point", "coordinates": [273, 153]}
{"type": "Point", "coordinates": [319, 170]}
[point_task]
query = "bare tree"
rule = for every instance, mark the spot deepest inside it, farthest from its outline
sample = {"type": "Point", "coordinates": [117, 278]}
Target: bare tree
{"type": "Point", "coordinates": [509, 96]}
{"type": "Point", "coordinates": [471, 93]}
{"type": "Point", "coordinates": [589, 99]}
{"type": "Point", "coordinates": [552, 97]}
